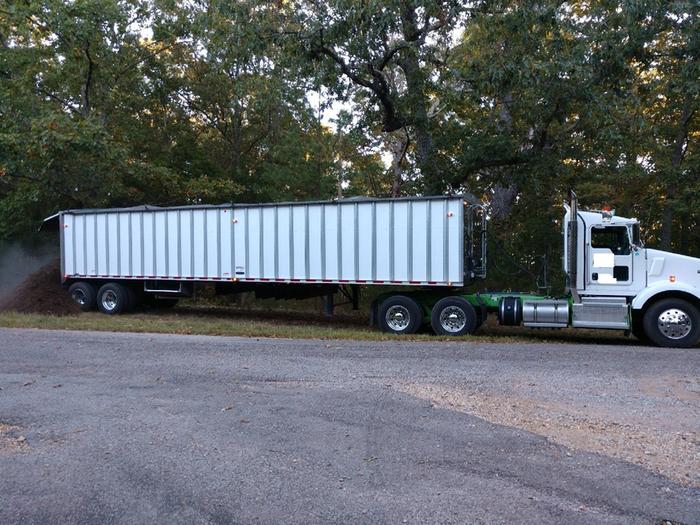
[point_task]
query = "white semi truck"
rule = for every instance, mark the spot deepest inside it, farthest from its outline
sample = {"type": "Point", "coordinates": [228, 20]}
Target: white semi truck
{"type": "Point", "coordinates": [425, 251]}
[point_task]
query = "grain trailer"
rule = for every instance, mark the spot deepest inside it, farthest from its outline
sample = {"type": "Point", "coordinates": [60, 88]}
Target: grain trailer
{"type": "Point", "coordinates": [425, 252]}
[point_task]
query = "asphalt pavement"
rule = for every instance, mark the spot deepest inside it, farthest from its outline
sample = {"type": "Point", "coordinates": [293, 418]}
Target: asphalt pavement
{"type": "Point", "coordinates": [144, 428]}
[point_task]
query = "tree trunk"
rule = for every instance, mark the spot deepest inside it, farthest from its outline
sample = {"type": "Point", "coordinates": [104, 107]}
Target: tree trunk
{"type": "Point", "coordinates": [398, 144]}
{"type": "Point", "coordinates": [667, 221]}
{"type": "Point", "coordinates": [677, 155]}
{"type": "Point", "coordinates": [87, 85]}
{"type": "Point", "coordinates": [684, 243]}
{"type": "Point", "coordinates": [417, 106]}
{"type": "Point", "coordinates": [502, 199]}
{"type": "Point", "coordinates": [236, 140]}
{"type": "Point", "coordinates": [417, 103]}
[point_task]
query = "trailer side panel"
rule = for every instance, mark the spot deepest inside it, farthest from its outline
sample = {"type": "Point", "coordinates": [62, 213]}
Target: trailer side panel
{"type": "Point", "coordinates": [412, 242]}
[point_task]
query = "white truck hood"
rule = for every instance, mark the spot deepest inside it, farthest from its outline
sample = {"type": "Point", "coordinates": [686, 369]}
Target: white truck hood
{"type": "Point", "coordinates": [669, 272]}
{"type": "Point", "coordinates": [672, 268]}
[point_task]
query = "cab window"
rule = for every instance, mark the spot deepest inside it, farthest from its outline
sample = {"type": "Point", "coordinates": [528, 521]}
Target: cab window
{"type": "Point", "coordinates": [613, 237]}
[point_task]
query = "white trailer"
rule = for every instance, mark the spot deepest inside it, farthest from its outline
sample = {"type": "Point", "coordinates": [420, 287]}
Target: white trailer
{"type": "Point", "coordinates": [398, 242]}
{"type": "Point", "coordinates": [432, 247]}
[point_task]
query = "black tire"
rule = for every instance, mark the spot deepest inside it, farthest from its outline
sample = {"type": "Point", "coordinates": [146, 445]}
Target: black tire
{"type": "Point", "coordinates": [112, 299]}
{"type": "Point", "coordinates": [84, 295]}
{"type": "Point", "coordinates": [453, 316]}
{"type": "Point", "coordinates": [400, 314]}
{"type": "Point", "coordinates": [480, 319]}
{"type": "Point", "coordinates": [638, 327]}
{"type": "Point", "coordinates": [682, 329]}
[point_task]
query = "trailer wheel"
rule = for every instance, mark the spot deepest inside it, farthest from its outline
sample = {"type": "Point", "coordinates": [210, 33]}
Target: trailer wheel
{"type": "Point", "coordinates": [113, 298]}
{"type": "Point", "coordinates": [400, 314]}
{"type": "Point", "coordinates": [453, 316]}
{"type": "Point", "coordinates": [673, 323]}
{"type": "Point", "coordinates": [84, 294]}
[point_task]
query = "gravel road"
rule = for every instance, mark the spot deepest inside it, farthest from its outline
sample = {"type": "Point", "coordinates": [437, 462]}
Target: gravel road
{"type": "Point", "coordinates": [143, 428]}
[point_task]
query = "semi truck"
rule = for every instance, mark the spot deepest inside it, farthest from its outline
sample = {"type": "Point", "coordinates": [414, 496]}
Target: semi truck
{"type": "Point", "coordinates": [426, 253]}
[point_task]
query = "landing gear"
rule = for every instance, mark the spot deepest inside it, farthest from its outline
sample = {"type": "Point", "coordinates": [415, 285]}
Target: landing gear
{"type": "Point", "coordinates": [162, 302]}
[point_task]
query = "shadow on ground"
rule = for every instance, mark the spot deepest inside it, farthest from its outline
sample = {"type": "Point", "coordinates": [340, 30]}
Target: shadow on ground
{"type": "Point", "coordinates": [360, 321]}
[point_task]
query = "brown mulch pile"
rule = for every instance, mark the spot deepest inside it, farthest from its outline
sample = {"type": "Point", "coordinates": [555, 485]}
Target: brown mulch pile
{"type": "Point", "coordinates": [41, 293]}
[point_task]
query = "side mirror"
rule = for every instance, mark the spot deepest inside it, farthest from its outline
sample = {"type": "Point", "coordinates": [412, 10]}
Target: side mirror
{"type": "Point", "coordinates": [636, 237]}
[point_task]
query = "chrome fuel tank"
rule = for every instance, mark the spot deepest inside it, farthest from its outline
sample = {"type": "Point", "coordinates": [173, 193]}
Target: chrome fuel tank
{"type": "Point", "coordinates": [550, 313]}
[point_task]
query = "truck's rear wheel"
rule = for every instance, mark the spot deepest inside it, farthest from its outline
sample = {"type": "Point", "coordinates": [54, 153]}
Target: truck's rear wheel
{"type": "Point", "coordinates": [454, 316]}
{"type": "Point", "coordinates": [84, 295]}
{"type": "Point", "coordinates": [113, 298]}
{"type": "Point", "coordinates": [400, 314]}
{"type": "Point", "coordinates": [673, 323]}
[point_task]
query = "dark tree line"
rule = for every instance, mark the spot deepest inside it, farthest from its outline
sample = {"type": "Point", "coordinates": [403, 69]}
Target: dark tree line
{"type": "Point", "coordinates": [121, 102]}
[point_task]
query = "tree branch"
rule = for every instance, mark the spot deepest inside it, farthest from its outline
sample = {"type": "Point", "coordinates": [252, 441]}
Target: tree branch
{"type": "Point", "coordinates": [390, 54]}
{"type": "Point", "coordinates": [85, 107]}
{"type": "Point", "coordinates": [58, 99]}
{"type": "Point", "coordinates": [377, 85]}
{"type": "Point", "coordinates": [140, 60]}
{"type": "Point", "coordinates": [682, 135]}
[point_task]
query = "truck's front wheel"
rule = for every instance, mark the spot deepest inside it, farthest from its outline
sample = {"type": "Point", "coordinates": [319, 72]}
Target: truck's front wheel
{"type": "Point", "coordinates": [638, 327]}
{"type": "Point", "coordinates": [673, 323]}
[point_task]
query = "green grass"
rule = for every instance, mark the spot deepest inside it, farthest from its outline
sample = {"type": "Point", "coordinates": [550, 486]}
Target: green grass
{"type": "Point", "coordinates": [189, 322]}
{"type": "Point", "coordinates": [234, 321]}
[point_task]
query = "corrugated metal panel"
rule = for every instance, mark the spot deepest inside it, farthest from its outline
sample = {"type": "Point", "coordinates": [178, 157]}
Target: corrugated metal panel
{"type": "Point", "coordinates": [401, 241]}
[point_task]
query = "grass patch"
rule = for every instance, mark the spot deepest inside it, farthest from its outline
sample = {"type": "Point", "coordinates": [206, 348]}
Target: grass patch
{"type": "Point", "coordinates": [245, 322]}
{"type": "Point", "coordinates": [189, 322]}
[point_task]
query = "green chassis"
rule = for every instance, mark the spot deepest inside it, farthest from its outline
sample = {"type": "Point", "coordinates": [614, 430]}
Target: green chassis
{"type": "Point", "coordinates": [482, 302]}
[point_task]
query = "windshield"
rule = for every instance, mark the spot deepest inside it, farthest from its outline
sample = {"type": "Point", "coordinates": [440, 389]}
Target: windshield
{"type": "Point", "coordinates": [615, 238]}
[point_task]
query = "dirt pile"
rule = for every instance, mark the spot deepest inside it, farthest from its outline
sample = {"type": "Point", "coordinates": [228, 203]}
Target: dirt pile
{"type": "Point", "coordinates": [41, 293]}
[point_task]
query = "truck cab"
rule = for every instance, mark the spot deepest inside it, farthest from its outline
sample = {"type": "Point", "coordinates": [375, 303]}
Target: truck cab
{"type": "Point", "coordinates": [615, 282]}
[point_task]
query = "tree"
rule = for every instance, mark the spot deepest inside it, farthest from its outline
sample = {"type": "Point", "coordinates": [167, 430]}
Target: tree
{"type": "Point", "coordinates": [67, 71]}
{"type": "Point", "coordinates": [120, 102]}
{"type": "Point", "coordinates": [668, 81]}
{"type": "Point", "coordinates": [393, 51]}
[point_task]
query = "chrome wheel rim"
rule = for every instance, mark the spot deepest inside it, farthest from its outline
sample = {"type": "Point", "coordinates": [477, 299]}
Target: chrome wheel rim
{"type": "Point", "coordinates": [453, 319]}
{"type": "Point", "coordinates": [79, 297]}
{"type": "Point", "coordinates": [109, 300]}
{"type": "Point", "coordinates": [674, 323]}
{"type": "Point", "coordinates": [397, 318]}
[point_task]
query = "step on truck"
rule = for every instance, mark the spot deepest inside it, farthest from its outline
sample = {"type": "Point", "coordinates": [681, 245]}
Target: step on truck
{"type": "Point", "coordinates": [424, 251]}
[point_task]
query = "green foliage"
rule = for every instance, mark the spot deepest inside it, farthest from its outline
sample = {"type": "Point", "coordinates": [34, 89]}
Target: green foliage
{"type": "Point", "coordinates": [122, 102]}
